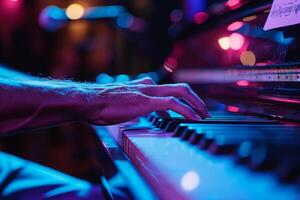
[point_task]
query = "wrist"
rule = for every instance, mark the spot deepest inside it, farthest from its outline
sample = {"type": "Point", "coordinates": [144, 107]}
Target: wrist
{"type": "Point", "coordinates": [84, 103]}
{"type": "Point", "coordinates": [74, 103]}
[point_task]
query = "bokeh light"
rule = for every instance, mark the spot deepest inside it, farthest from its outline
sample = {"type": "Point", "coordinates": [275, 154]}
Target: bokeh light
{"type": "Point", "coordinates": [224, 43]}
{"type": "Point", "coordinates": [74, 11]}
{"type": "Point", "coordinates": [176, 15]}
{"type": "Point", "coordinates": [236, 41]}
{"type": "Point", "coordinates": [248, 58]}
{"type": "Point", "coordinates": [249, 18]}
{"type": "Point", "coordinates": [50, 16]}
{"type": "Point", "coordinates": [245, 149]}
{"type": "Point", "coordinates": [200, 17]}
{"type": "Point", "coordinates": [235, 26]}
{"type": "Point", "coordinates": [170, 64]}
{"type": "Point", "coordinates": [190, 181]}
{"type": "Point", "coordinates": [104, 78]}
{"type": "Point", "coordinates": [242, 83]}
{"type": "Point", "coordinates": [233, 3]}
{"type": "Point", "coordinates": [122, 78]}
{"type": "Point", "coordinates": [234, 109]}
{"type": "Point", "coordinates": [125, 20]}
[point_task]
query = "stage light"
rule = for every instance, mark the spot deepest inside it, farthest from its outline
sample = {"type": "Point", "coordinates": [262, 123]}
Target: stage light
{"type": "Point", "coordinates": [235, 26]}
{"type": "Point", "coordinates": [200, 17]}
{"type": "Point", "coordinates": [74, 11]}
{"type": "Point", "coordinates": [224, 43]}
{"type": "Point", "coordinates": [236, 41]}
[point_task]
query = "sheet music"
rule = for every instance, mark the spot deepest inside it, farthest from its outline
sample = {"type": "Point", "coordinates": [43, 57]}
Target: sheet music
{"type": "Point", "coordinates": [283, 13]}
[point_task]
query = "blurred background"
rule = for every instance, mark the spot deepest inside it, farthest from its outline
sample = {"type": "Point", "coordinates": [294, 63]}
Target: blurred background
{"type": "Point", "coordinates": [114, 40]}
{"type": "Point", "coordinates": [90, 40]}
{"type": "Point", "coordinates": [81, 39]}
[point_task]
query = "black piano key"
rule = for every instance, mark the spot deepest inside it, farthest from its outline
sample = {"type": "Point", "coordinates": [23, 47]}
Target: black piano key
{"type": "Point", "coordinates": [224, 143]}
{"type": "Point", "coordinates": [263, 158]}
{"type": "Point", "coordinates": [176, 122]}
{"type": "Point", "coordinates": [228, 145]}
{"type": "Point", "coordinates": [195, 137]}
{"type": "Point", "coordinates": [187, 134]}
{"type": "Point", "coordinates": [150, 117]}
{"type": "Point", "coordinates": [236, 135]}
{"type": "Point", "coordinates": [270, 153]}
{"type": "Point", "coordinates": [165, 123]}
{"type": "Point", "coordinates": [183, 127]}
{"type": "Point", "coordinates": [288, 168]}
{"type": "Point", "coordinates": [198, 133]}
{"type": "Point", "coordinates": [158, 122]}
{"type": "Point", "coordinates": [155, 119]}
{"type": "Point", "coordinates": [172, 126]}
{"type": "Point", "coordinates": [221, 140]}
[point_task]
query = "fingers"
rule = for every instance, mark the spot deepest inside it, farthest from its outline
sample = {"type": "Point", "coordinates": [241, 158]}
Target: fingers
{"type": "Point", "coordinates": [171, 103]}
{"type": "Point", "coordinates": [144, 81]}
{"type": "Point", "coordinates": [179, 91]}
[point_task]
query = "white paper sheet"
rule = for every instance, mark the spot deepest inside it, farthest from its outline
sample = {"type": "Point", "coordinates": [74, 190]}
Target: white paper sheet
{"type": "Point", "coordinates": [283, 13]}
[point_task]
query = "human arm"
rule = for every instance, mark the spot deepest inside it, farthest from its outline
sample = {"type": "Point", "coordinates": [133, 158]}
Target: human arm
{"type": "Point", "coordinates": [33, 103]}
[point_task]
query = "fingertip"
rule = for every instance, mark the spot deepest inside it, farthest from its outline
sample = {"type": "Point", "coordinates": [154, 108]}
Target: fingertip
{"type": "Point", "coordinates": [203, 113]}
{"type": "Point", "coordinates": [197, 118]}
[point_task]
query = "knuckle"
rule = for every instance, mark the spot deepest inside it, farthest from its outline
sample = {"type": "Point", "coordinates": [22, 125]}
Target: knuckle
{"type": "Point", "coordinates": [185, 87]}
{"type": "Point", "coordinates": [171, 100]}
{"type": "Point", "coordinates": [142, 97]}
{"type": "Point", "coordinates": [146, 89]}
{"type": "Point", "coordinates": [148, 79]}
{"type": "Point", "coordinates": [190, 112]}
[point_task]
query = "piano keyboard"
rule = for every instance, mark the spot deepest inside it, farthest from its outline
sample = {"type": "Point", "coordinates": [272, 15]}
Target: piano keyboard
{"type": "Point", "coordinates": [227, 156]}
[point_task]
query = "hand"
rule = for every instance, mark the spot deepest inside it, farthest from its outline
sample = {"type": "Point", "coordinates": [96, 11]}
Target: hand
{"type": "Point", "coordinates": [116, 103]}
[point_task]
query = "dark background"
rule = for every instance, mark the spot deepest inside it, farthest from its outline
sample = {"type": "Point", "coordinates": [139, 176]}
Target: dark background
{"type": "Point", "coordinates": [79, 50]}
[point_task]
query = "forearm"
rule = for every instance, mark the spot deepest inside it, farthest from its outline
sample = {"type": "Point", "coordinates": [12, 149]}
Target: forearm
{"type": "Point", "coordinates": [30, 102]}
{"type": "Point", "coordinates": [34, 104]}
